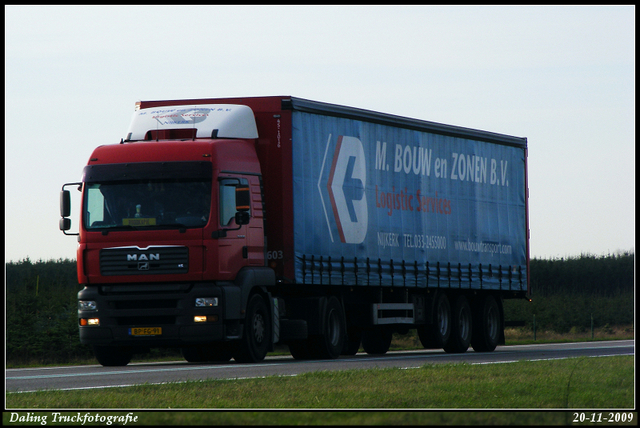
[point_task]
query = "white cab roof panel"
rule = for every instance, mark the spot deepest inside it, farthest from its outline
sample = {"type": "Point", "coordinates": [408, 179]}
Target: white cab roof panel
{"type": "Point", "coordinates": [210, 120]}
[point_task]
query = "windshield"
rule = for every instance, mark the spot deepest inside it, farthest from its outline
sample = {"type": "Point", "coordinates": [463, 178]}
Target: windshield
{"type": "Point", "coordinates": [148, 204]}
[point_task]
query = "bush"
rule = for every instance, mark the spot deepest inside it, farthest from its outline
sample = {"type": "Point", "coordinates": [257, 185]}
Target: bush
{"type": "Point", "coordinates": [41, 312]}
{"type": "Point", "coordinates": [41, 305]}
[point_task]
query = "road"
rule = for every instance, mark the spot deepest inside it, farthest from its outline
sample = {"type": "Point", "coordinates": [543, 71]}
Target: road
{"type": "Point", "coordinates": [96, 376]}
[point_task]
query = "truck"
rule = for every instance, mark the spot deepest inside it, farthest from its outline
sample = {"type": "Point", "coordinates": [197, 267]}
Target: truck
{"type": "Point", "coordinates": [227, 226]}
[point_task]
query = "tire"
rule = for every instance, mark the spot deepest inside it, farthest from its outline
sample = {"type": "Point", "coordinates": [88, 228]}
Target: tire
{"type": "Point", "coordinates": [192, 354]}
{"type": "Point", "coordinates": [377, 341]}
{"type": "Point", "coordinates": [487, 324]}
{"type": "Point", "coordinates": [301, 349]}
{"type": "Point", "coordinates": [461, 327]}
{"type": "Point", "coordinates": [291, 330]}
{"type": "Point", "coordinates": [330, 342]}
{"type": "Point", "coordinates": [220, 352]}
{"type": "Point", "coordinates": [215, 352]}
{"type": "Point", "coordinates": [436, 335]}
{"type": "Point", "coordinates": [352, 342]}
{"type": "Point", "coordinates": [257, 334]}
{"type": "Point", "coordinates": [111, 356]}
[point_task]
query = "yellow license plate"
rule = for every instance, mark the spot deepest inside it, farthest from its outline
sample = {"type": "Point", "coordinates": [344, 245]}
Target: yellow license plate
{"type": "Point", "coordinates": [138, 221]}
{"type": "Point", "coordinates": [145, 331]}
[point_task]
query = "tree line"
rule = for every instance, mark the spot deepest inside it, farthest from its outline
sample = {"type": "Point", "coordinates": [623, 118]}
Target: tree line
{"type": "Point", "coordinates": [41, 302]}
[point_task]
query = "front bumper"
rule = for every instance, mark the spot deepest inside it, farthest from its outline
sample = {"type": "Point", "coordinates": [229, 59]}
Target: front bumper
{"type": "Point", "coordinates": [166, 311]}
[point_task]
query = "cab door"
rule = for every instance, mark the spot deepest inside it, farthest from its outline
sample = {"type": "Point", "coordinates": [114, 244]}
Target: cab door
{"type": "Point", "coordinates": [241, 234]}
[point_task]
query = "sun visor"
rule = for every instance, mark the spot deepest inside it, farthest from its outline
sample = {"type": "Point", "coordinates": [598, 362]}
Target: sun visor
{"type": "Point", "coordinates": [209, 120]}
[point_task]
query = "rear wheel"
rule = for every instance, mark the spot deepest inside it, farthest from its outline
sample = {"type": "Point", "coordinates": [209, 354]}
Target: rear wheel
{"type": "Point", "coordinates": [256, 338]}
{"type": "Point", "coordinates": [487, 324]}
{"type": "Point", "coordinates": [330, 342]}
{"type": "Point", "coordinates": [352, 342]}
{"type": "Point", "coordinates": [461, 327]}
{"type": "Point", "coordinates": [301, 349]}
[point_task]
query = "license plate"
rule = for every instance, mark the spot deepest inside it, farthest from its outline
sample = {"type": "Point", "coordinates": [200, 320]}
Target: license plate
{"type": "Point", "coordinates": [145, 331]}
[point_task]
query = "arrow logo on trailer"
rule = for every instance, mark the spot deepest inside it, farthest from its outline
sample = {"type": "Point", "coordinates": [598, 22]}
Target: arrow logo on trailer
{"type": "Point", "coordinates": [346, 187]}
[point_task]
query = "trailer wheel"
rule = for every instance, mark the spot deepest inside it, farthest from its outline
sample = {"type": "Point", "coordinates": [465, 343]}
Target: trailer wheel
{"type": "Point", "coordinates": [487, 322]}
{"type": "Point", "coordinates": [436, 335]}
{"type": "Point", "coordinates": [110, 356]}
{"type": "Point", "coordinates": [461, 327]}
{"type": "Point", "coordinates": [377, 341]}
{"type": "Point", "coordinates": [256, 337]}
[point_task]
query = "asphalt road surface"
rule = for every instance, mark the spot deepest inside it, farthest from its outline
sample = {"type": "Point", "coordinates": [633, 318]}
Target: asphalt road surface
{"type": "Point", "coordinates": [96, 376]}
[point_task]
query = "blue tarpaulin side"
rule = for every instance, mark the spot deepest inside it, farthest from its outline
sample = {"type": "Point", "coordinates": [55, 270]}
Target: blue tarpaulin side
{"type": "Point", "coordinates": [377, 204]}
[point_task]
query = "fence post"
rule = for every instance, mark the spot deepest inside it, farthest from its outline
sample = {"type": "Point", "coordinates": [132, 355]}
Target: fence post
{"type": "Point", "coordinates": [534, 327]}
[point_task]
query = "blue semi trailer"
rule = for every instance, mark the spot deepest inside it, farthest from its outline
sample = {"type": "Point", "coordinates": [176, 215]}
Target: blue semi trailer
{"type": "Point", "coordinates": [323, 227]}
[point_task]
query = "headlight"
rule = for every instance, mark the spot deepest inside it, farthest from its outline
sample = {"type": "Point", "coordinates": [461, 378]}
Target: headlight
{"type": "Point", "coordinates": [202, 302]}
{"type": "Point", "coordinates": [87, 305]}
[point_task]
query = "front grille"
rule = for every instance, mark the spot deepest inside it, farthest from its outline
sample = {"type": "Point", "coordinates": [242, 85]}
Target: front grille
{"type": "Point", "coordinates": [148, 303]}
{"type": "Point", "coordinates": [149, 261]}
{"type": "Point", "coordinates": [150, 320]}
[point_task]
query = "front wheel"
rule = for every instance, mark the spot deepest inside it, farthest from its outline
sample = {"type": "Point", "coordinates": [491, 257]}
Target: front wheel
{"type": "Point", "coordinates": [112, 355]}
{"type": "Point", "coordinates": [256, 338]}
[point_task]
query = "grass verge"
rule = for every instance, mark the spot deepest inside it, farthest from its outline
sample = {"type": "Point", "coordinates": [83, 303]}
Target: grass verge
{"type": "Point", "coordinates": [582, 383]}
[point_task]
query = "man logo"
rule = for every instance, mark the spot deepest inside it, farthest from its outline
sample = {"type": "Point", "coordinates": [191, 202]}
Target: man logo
{"type": "Point", "coordinates": [346, 186]}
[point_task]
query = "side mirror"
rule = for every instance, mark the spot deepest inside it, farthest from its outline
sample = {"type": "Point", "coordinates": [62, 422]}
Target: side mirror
{"type": "Point", "coordinates": [242, 218]}
{"type": "Point", "coordinates": [243, 205]}
{"type": "Point", "coordinates": [65, 204]}
{"type": "Point", "coordinates": [65, 209]}
{"type": "Point", "coordinates": [243, 198]}
{"type": "Point", "coordinates": [65, 224]}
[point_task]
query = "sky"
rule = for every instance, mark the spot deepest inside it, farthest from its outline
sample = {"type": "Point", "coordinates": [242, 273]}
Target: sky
{"type": "Point", "coordinates": [561, 76]}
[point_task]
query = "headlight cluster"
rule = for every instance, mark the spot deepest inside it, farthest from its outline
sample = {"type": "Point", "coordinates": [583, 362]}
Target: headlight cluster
{"type": "Point", "coordinates": [87, 305]}
{"type": "Point", "coordinates": [206, 302]}
{"type": "Point", "coordinates": [203, 302]}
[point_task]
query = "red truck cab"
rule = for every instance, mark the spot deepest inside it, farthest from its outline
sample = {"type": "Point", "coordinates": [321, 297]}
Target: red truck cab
{"type": "Point", "coordinates": [170, 217]}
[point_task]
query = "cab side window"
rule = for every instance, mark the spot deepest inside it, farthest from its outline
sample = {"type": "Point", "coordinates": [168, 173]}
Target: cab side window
{"type": "Point", "coordinates": [228, 198]}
